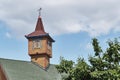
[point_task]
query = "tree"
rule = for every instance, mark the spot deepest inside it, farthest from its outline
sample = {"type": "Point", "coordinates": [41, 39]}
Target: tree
{"type": "Point", "coordinates": [81, 70]}
{"type": "Point", "coordinates": [103, 65]}
{"type": "Point", "coordinates": [106, 65]}
{"type": "Point", "coordinates": [65, 67]}
{"type": "Point", "coordinates": [96, 61]}
{"type": "Point", "coordinates": [71, 71]}
{"type": "Point", "coordinates": [112, 54]}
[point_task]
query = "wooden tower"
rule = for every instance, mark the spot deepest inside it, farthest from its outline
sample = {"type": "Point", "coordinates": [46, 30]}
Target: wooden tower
{"type": "Point", "coordinates": [40, 45]}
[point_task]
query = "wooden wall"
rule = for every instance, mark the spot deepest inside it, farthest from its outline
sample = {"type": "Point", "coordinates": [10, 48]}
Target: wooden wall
{"type": "Point", "coordinates": [41, 60]}
{"type": "Point", "coordinates": [2, 75]}
{"type": "Point", "coordinates": [43, 49]}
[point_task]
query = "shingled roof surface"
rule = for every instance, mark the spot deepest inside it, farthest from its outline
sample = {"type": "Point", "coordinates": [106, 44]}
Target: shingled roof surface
{"type": "Point", "coordinates": [39, 30]}
{"type": "Point", "coordinates": [25, 70]}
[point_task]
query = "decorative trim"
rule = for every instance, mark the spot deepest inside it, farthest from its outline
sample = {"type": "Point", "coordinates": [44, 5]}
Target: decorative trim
{"type": "Point", "coordinates": [40, 54]}
{"type": "Point", "coordinates": [44, 35]}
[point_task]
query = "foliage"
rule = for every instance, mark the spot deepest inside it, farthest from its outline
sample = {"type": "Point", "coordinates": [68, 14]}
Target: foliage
{"type": "Point", "coordinates": [71, 71]}
{"type": "Point", "coordinates": [104, 65]}
{"type": "Point", "coordinates": [66, 67]}
{"type": "Point", "coordinates": [81, 70]}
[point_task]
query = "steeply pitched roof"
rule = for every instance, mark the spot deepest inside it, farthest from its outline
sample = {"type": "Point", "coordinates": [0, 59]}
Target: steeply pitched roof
{"type": "Point", "coordinates": [24, 70]}
{"type": "Point", "coordinates": [39, 26]}
{"type": "Point", "coordinates": [39, 30]}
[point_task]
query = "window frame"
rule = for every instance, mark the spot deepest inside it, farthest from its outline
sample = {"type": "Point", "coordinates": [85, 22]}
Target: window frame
{"type": "Point", "coordinates": [49, 44]}
{"type": "Point", "coordinates": [37, 44]}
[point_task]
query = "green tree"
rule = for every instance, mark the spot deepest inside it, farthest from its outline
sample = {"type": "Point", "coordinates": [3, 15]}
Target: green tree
{"type": "Point", "coordinates": [106, 65]}
{"type": "Point", "coordinates": [66, 68]}
{"type": "Point", "coordinates": [96, 61]}
{"type": "Point", "coordinates": [71, 71]}
{"type": "Point", "coordinates": [112, 54]}
{"type": "Point", "coordinates": [103, 65]}
{"type": "Point", "coordinates": [81, 70]}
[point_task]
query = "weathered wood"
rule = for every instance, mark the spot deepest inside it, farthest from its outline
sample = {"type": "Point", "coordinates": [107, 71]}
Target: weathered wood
{"type": "Point", "coordinates": [2, 74]}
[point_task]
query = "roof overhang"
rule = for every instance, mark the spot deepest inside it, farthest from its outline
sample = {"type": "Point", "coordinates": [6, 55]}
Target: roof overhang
{"type": "Point", "coordinates": [40, 36]}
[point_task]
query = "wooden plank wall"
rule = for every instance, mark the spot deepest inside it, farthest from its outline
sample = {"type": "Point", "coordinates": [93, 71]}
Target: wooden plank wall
{"type": "Point", "coordinates": [2, 75]}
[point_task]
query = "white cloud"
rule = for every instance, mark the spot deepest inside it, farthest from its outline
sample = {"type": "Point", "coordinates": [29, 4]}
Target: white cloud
{"type": "Point", "coordinates": [96, 17]}
{"type": "Point", "coordinates": [117, 29]}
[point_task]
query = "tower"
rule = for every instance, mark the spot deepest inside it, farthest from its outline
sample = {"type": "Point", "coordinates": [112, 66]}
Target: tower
{"type": "Point", "coordinates": [40, 45]}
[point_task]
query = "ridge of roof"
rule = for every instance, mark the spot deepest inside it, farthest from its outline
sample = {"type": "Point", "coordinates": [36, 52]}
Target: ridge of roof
{"type": "Point", "coordinates": [14, 60]}
{"type": "Point", "coordinates": [24, 61]}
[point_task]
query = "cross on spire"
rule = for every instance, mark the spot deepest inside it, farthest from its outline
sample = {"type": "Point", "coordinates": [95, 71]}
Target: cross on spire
{"type": "Point", "coordinates": [39, 10]}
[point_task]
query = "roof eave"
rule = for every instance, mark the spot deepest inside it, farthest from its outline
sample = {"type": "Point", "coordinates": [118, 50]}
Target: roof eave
{"type": "Point", "coordinates": [39, 36]}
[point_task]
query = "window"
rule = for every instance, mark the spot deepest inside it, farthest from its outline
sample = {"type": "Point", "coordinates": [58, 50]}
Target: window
{"type": "Point", "coordinates": [49, 44]}
{"type": "Point", "coordinates": [37, 44]}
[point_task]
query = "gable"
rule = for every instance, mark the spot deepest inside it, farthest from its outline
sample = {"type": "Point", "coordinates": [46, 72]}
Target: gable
{"type": "Point", "coordinates": [2, 75]}
{"type": "Point", "coordinates": [24, 70]}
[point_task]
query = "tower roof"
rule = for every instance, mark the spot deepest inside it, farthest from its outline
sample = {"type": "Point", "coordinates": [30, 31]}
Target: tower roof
{"type": "Point", "coordinates": [39, 26]}
{"type": "Point", "coordinates": [39, 31]}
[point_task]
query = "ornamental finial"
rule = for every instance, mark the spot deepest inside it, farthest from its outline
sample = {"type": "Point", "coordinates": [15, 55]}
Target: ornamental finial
{"type": "Point", "coordinates": [39, 10]}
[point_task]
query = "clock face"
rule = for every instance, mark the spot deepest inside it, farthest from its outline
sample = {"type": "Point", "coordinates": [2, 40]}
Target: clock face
{"type": "Point", "coordinates": [37, 44]}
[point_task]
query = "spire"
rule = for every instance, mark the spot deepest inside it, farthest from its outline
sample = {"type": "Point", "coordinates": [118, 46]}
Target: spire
{"type": "Point", "coordinates": [39, 25]}
{"type": "Point", "coordinates": [39, 30]}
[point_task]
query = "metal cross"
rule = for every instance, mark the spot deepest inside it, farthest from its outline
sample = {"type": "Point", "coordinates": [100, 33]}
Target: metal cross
{"type": "Point", "coordinates": [39, 10]}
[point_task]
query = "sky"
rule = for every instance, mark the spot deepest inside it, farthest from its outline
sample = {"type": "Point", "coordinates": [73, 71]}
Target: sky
{"type": "Point", "coordinates": [71, 23]}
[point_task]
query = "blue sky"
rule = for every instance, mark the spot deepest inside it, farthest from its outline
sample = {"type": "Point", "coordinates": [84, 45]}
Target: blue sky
{"type": "Point", "coordinates": [71, 23]}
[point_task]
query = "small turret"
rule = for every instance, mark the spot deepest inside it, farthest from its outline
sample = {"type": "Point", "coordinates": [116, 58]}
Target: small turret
{"type": "Point", "coordinates": [40, 45]}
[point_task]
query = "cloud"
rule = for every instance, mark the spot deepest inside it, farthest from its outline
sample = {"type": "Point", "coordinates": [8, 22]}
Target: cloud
{"type": "Point", "coordinates": [96, 17]}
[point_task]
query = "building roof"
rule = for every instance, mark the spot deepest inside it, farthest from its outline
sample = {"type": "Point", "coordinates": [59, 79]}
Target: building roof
{"type": "Point", "coordinates": [39, 26]}
{"type": "Point", "coordinates": [39, 31]}
{"type": "Point", "coordinates": [25, 70]}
